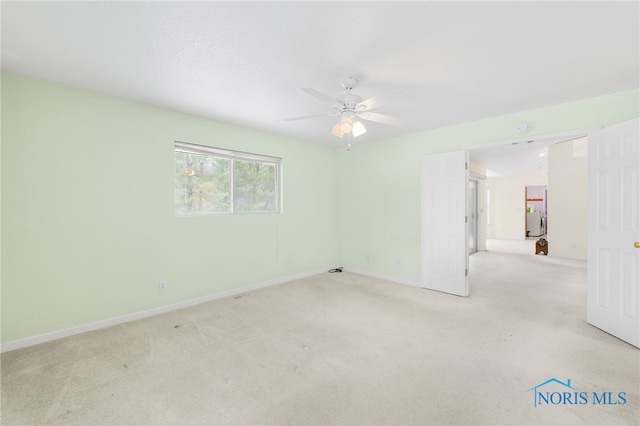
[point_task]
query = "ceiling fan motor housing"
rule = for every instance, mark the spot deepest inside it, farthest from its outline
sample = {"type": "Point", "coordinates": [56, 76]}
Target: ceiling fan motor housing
{"type": "Point", "coordinates": [349, 100]}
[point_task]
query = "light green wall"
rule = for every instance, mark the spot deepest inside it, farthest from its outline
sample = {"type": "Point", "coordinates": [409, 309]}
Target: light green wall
{"type": "Point", "coordinates": [378, 183]}
{"type": "Point", "coordinates": [568, 201]}
{"type": "Point", "coordinates": [88, 228]}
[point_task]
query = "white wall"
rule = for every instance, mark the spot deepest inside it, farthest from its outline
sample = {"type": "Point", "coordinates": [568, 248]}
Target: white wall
{"type": "Point", "coordinates": [566, 179]}
{"type": "Point", "coordinates": [568, 196]}
{"type": "Point", "coordinates": [507, 203]}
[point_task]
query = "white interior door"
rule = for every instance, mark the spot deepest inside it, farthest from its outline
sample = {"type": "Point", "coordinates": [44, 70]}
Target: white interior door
{"type": "Point", "coordinates": [444, 242]}
{"type": "Point", "coordinates": [613, 303]}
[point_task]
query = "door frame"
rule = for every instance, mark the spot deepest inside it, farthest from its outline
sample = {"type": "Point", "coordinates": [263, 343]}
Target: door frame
{"type": "Point", "coordinates": [553, 138]}
{"type": "Point", "coordinates": [558, 137]}
{"type": "Point", "coordinates": [474, 218]}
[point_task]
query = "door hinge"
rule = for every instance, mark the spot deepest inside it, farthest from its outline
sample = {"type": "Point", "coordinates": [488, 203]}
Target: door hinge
{"type": "Point", "coordinates": [466, 219]}
{"type": "Point", "coordinates": [466, 166]}
{"type": "Point", "coordinates": [466, 272]}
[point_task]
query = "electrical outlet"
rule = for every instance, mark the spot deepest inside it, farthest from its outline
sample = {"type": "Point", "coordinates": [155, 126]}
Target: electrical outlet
{"type": "Point", "coordinates": [367, 259]}
{"type": "Point", "coordinates": [162, 286]}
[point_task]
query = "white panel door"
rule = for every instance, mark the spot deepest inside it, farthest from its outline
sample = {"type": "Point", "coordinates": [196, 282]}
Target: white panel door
{"type": "Point", "coordinates": [613, 302]}
{"type": "Point", "coordinates": [444, 242]}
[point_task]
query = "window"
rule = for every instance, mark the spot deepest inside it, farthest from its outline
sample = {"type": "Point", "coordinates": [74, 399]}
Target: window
{"type": "Point", "coordinates": [219, 181]}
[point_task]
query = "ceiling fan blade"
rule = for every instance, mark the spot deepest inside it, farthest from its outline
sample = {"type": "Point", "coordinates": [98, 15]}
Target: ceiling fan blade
{"type": "Point", "coordinates": [310, 116]}
{"type": "Point", "coordinates": [381, 99]}
{"type": "Point", "coordinates": [320, 96]}
{"type": "Point", "coordinates": [380, 118]}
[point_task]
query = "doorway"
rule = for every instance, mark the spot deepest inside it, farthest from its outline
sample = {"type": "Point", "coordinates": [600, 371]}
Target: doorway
{"type": "Point", "coordinates": [535, 211]}
{"type": "Point", "coordinates": [602, 276]}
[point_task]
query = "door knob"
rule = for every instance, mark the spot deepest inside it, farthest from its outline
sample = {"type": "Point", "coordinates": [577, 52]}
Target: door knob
{"type": "Point", "coordinates": [636, 244]}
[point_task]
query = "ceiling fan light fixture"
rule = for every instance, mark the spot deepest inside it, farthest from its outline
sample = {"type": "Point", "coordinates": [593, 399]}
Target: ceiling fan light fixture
{"type": "Point", "coordinates": [358, 129]}
{"type": "Point", "coordinates": [336, 130]}
{"type": "Point", "coordinates": [346, 124]}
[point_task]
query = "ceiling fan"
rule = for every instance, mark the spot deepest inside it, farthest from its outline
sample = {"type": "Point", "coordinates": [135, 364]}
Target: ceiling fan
{"type": "Point", "coordinates": [350, 107]}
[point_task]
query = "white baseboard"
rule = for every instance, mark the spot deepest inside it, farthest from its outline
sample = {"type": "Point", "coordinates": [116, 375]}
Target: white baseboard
{"type": "Point", "coordinates": [384, 277]}
{"type": "Point", "coordinates": [59, 334]}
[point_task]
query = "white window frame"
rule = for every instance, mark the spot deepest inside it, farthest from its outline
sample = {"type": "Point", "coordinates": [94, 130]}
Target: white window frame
{"type": "Point", "coordinates": [233, 155]}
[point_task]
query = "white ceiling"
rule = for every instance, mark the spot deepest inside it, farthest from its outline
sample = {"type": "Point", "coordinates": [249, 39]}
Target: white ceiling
{"type": "Point", "coordinates": [245, 62]}
{"type": "Point", "coordinates": [521, 156]}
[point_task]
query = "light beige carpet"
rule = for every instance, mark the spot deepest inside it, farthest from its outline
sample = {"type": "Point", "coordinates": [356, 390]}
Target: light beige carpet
{"type": "Point", "coordinates": [340, 349]}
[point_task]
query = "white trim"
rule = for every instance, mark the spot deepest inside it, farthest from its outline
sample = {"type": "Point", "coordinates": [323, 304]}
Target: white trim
{"type": "Point", "coordinates": [72, 331]}
{"type": "Point", "coordinates": [191, 148]}
{"type": "Point", "coordinates": [547, 139]}
{"type": "Point", "coordinates": [233, 157]}
{"type": "Point", "coordinates": [473, 175]}
{"type": "Point", "coordinates": [384, 277]}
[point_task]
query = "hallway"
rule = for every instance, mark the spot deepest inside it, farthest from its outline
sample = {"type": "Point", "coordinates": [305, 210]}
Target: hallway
{"type": "Point", "coordinates": [527, 246]}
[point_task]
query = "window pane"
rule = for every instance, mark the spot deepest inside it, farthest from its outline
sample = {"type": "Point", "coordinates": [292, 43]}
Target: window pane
{"type": "Point", "coordinates": [254, 187]}
{"type": "Point", "coordinates": [202, 184]}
